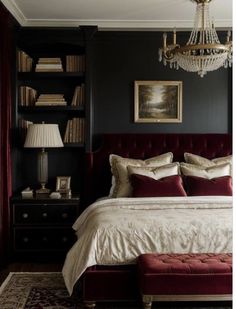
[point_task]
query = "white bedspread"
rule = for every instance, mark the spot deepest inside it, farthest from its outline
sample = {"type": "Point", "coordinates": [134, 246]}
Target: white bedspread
{"type": "Point", "coordinates": [116, 231]}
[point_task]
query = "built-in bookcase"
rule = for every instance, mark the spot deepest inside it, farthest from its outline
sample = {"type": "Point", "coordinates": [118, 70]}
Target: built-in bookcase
{"type": "Point", "coordinates": [51, 68]}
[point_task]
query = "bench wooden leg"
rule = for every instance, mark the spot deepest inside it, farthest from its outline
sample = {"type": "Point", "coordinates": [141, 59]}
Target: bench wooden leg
{"type": "Point", "coordinates": [90, 304]}
{"type": "Point", "coordinates": [147, 301]}
{"type": "Point", "coordinates": [147, 305]}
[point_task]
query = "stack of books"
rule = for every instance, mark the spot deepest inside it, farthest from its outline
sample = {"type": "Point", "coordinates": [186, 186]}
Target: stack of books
{"type": "Point", "coordinates": [51, 100]}
{"type": "Point", "coordinates": [27, 96]}
{"type": "Point", "coordinates": [78, 97]}
{"type": "Point", "coordinates": [49, 65]}
{"type": "Point", "coordinates": [75, 63]}
{"type": "Point", "coordinates": [75, 130]}
{"type": "Point", "coordinates": [25, 62]}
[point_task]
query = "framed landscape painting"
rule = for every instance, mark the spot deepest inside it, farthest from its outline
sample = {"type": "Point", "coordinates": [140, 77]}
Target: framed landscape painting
{"type": "Point", "coordinates": [158, 101]}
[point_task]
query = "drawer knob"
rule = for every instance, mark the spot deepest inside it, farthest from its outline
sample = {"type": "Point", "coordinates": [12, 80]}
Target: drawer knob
{"type": "Point", "coordinates": [64, 215]}
{"type": "Point", "coordinates": [44, 215]}
{"type": "Point", "coordinates": [25, 215]}
{"type": "Point", "coordinates": [64, 239]}
{"type": "Point", "coordinates": [25, 239]}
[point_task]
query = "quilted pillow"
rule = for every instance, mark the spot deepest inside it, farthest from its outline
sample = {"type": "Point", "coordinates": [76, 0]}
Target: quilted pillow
{"type": "Point", "coordinates": [121, 185]}
{"type": "Point", "coordinates": [144, 186]}
{"type": "Point", "coordinates": [201, 186]}
{"type": "Point", "coordinates": [208, 172]}
{"type": "Point", "coordinates": [199, 160]}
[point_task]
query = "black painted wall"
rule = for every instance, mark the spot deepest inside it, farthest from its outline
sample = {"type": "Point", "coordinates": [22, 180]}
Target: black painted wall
{"type": "Point", "coordinates": [120, 58]}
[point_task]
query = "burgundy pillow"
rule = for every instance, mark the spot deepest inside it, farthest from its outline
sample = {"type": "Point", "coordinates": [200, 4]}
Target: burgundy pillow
{"type": "Point", "coordinates": [202, 186]}
{"type": "Point", "coordinates": [144, 186]}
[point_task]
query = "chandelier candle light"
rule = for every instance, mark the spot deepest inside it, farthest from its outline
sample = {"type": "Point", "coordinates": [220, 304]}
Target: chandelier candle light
{"type": "Point", "coordinates": [203, 51]}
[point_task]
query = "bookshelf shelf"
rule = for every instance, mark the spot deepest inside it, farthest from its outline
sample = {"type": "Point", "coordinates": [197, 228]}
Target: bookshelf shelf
{"type": "Point", "coordinates": [38, 75]}
{"type": "Point", "coordinates": [33, 109]}
{"type": "Point", "coordinates": [74, 145]}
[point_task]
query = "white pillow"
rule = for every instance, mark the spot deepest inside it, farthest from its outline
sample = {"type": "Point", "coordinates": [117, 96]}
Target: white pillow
{"type": "Point", "coordinates": [156, 172]}
{"type": "Point", "coordinates": [205, 172]}
{"type": "Point", "coordinates": [198, 160]}
{"type": "Point", "coordinates": [121, 187]}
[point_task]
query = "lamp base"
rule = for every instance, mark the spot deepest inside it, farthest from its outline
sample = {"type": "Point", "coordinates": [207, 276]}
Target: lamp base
{"type": "Point", "coordinates": [43, 190]}
{"type": "Point", "coordinates": [43, 172]}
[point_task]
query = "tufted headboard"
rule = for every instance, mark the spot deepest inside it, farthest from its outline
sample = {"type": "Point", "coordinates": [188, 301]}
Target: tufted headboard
{"type": "Point", "coordinates": [143, 146]}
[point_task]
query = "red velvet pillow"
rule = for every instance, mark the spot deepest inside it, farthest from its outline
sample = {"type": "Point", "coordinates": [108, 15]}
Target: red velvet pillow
{"type": "Point", "coordinates": [202, 186]}
{"type": "Point", "coordinates": [144, 186]}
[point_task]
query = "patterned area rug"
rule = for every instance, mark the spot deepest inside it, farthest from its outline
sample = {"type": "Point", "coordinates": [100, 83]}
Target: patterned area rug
{"type": "Point", "coordinates": [47, 291]}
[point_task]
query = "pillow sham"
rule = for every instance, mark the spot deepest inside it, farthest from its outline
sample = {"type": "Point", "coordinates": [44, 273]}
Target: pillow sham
{"type": "Point", "coordinates": [121, 186]}
{"type": "Point", "coordinates": [205, 172]}
{"type": "Point", "coordinates": [199, 160]}
{"type": "Point", "coordinates": [144, 186]}
{"type": "Point", "coordinates": [200, 186]}
{"type": "Point", "coordinates": [155, 172]}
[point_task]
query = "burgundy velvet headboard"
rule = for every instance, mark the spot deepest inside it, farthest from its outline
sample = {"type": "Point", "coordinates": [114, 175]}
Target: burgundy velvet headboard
{"type": "Point", "coordinates": [142, 146]}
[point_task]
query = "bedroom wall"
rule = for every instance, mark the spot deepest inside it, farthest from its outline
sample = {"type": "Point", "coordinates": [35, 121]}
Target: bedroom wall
{"type": "Point", "coordinates": [120, 58]}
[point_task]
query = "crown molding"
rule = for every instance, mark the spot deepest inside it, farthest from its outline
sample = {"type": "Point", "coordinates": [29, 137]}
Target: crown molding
{"type": "Point", "coordinates": [15, 11]}
{"type": "Point", "coordinates": [122, 24]}
{"type": "Point", "coordinates": [106, 24]}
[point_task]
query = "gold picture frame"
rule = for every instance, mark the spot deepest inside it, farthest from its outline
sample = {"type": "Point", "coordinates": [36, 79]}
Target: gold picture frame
{"type": "Point", "coordinates": [158, 101]}
{"type": "Point", "coordinates": [63, 184]}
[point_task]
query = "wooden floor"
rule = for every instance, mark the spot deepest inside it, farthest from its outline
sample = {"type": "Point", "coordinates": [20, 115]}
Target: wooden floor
{"type": "Point", "coordinates": [28, 267]}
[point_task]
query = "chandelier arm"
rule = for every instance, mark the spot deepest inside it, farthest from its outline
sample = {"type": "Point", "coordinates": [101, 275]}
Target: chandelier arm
{"type": "Point", "coordinates": [203, 46]}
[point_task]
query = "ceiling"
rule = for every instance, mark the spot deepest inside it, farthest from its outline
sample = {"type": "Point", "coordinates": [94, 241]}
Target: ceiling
{"type": "Point", "coordinates": [113, 14]}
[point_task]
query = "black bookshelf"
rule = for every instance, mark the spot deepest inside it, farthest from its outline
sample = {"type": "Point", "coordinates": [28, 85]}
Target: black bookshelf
{"type": "Point", "coordinates": [69, 160]}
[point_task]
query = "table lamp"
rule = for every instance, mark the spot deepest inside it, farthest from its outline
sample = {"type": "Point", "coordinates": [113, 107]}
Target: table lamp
{"type": "Point", "coordinates": [43, 136]}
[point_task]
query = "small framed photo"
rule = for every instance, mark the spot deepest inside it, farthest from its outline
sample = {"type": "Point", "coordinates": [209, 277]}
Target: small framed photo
{"type": "Point", "coordinates": [63, 184]}
{"type": "Point", "coordinates": [158, 101]}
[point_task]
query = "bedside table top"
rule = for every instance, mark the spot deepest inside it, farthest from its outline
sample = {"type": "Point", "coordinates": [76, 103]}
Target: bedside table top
{"type": "Point", "coordinates": [45, 198]}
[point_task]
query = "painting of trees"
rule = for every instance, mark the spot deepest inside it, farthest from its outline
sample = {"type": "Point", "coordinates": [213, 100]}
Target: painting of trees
{"type": "Point", "coordinates": [157, 101]}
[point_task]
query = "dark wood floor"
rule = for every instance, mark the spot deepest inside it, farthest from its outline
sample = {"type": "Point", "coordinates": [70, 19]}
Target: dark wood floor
{"type": "Point", "coordinates": [28, 267]}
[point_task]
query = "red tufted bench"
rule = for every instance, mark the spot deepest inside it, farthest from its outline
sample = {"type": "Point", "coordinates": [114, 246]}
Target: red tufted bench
{"type": "Point", "coordinates": [185, 277]}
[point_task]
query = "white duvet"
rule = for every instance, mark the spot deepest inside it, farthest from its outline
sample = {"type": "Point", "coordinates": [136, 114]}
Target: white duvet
{"type": "Point", "coordinates": [116, 231]}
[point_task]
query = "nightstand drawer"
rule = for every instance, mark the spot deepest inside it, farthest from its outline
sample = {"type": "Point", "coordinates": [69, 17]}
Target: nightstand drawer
{"type": "Point", "coordinates": [44, 214]}
{"type": "Point", "coordinates": [43, 239]}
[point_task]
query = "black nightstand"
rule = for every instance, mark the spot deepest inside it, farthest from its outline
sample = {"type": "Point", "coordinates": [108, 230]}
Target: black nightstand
{"type": "Point", "coordinates": [42, 227]}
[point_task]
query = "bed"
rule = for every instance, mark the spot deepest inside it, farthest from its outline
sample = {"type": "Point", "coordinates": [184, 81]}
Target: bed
{"type": "Point", "coordinates": [108, 282]}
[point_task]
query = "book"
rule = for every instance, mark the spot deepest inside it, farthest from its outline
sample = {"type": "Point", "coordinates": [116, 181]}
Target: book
{"type": "Point", "coordinates": [53, 64]}
{"type": "Point", "coordinates": [51, 100]}
{"type": "Point", "coordinates": [25, 62]}
{"type": "Point", "coordinates": [75, 63]}
{"type": "Point", "coordinates": [27, 96]}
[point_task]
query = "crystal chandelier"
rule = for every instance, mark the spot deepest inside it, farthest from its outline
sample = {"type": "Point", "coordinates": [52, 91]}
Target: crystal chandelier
{"type": "Point", "coordinates": [203, 51]}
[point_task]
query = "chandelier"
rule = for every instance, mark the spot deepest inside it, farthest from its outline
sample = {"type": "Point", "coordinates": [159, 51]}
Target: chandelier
{"type": "Point", "coordinates": [203, 51]}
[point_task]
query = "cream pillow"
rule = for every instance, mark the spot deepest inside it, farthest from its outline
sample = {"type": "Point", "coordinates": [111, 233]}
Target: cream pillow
{"type": "Point", "coordinates": [121, 185]}
{"type": "Point", "coordinates": [198, 160]}
{"type": "Point", "coordinates": [205, 172]}
{"type": "Point", "coordinates": [156, 172]}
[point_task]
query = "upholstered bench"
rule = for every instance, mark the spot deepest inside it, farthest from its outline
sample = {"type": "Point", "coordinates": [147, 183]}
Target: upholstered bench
{"type": "Point", "coordinates": [185, 277]}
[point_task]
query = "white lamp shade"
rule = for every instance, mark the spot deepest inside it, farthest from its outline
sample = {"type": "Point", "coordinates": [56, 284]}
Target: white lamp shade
{"type": "Point", "coordinates": [43, 136]}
